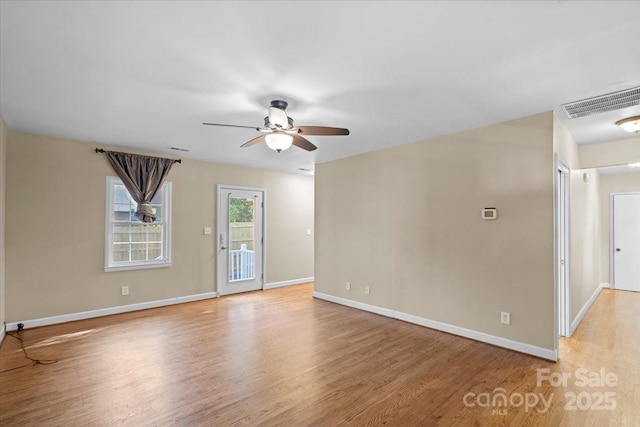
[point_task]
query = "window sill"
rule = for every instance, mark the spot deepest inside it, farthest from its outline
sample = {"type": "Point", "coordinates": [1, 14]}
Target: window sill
{"type": "Point", "coordinates": [137, 266]}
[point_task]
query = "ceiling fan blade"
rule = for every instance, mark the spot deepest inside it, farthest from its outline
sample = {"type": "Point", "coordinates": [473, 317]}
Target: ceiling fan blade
{"type": "Point", "coordinates": [254, 141]}
{"type": "Point", "coordinates": [322, 130]}
{"type": "Point", "coordinates": [300, 142]}
{"type": "Point", "coordinates": [232, 126]}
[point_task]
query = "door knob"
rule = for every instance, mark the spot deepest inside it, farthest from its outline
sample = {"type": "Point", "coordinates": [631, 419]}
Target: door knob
{"type": "Point", "coordinates": [618, 249]}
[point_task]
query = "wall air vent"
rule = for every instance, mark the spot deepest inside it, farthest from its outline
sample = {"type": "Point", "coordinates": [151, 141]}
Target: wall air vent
{"type": "Point", "coordinates": [602, 104]}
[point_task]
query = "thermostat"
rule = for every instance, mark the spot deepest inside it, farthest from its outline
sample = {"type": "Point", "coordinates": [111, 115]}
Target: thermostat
{"type": "Point", "coordinates": [490, 213]}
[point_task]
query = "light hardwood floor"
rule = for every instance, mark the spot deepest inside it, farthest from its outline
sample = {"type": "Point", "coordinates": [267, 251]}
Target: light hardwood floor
{"type": "Point", "coordinates": [280, 357]}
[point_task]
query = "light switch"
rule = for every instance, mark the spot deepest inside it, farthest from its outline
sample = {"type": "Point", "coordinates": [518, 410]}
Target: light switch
{"type": "Point", "coordinates": [490, 214]}
{"type": "Point", "coordinates": [308, 232]}
{"type": "Point", "coordinates": [207, 230]}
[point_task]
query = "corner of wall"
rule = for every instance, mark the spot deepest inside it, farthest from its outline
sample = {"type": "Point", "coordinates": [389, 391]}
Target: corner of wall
{"type": "Point", "coordinates": [564, 144]}
{"type": "Point", "coordinates": [398, 196]}
{"type": "Point", "coordinates": [74, 267]}
{"type": "Point", "coordinates": [3, 164]}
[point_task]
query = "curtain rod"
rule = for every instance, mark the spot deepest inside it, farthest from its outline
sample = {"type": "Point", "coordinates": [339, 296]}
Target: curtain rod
{"type": "Point", "coordinates": [100, 150]}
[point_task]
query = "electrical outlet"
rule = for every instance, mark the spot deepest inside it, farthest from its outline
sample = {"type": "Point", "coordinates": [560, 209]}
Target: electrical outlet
{"type": "Point", "coordinates": [125, 290]}
{"type": "Point", "coordinates": [505, 318]}
{"type": "Point", "coordinates": [367, 290]}
{"type": "Point", "coordinates": [348, 286]}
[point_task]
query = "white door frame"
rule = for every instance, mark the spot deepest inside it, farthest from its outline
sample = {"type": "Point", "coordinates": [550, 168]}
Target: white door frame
{"type": "Point", "coordinates": [562, 280]}
{"type": "Point", "coordinates": [220, 272]}
{"type": "Point", "coordinates": [612, 254]}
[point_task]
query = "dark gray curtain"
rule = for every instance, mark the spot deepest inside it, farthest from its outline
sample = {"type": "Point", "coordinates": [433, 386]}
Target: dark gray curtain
{"type": "Point", "coordinates": [142, 176]}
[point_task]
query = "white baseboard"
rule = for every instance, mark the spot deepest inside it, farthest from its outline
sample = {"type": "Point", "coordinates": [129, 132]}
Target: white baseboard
{"type": "Point", "coordinates": [445, 327]}
{"type": "Point", "coordinates": [586, 307]}
{"type": "Point", "coordinates": [44, 321]}
{"type": "Point", "coordinates": [355, 304]}
{"type": "Point", "coordinates": [288, 283]}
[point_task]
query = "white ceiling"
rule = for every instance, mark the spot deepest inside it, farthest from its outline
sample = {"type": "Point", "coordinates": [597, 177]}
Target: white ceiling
{"type": "Point", "coordinates": [147, 74]}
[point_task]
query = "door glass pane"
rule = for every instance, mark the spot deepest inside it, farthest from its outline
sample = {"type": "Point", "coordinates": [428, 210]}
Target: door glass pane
{"type": "Point", "coordinates": [241, 238]}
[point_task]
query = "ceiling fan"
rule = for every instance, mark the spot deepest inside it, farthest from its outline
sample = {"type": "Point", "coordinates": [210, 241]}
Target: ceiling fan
{"type": "Point", "coordinates": [279, 132]}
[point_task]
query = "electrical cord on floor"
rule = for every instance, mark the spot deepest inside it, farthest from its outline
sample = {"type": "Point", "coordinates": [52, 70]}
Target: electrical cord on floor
{"type": "Point", "coordinates": [34, 362]}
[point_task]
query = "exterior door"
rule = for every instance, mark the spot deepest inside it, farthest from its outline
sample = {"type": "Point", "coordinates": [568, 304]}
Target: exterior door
{"type": "Point", "coordinates": [240, 240]}
{"type": "Point", "coordinates": [626, 241]}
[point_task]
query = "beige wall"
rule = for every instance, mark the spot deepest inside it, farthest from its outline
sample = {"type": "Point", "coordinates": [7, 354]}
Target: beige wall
{"type": "Point", "coordinates": [290, 215]}
{"type": "Point", "coordinates": [55, 229]}
{"type": "Point", "coordinates": [610, 153]}
{"type": "Point", "coordinates": [585, 221]}
{"type": "Point", "coordinates": [612, 183]}
{"type": "Point", "coordinates": [406, 222]}
{"type": "Point", "coordinates": [3, 169]}
{"type": "Point", "coordinates": [564, 145]}
{"type": "Point", "coordinates": [585, 238]}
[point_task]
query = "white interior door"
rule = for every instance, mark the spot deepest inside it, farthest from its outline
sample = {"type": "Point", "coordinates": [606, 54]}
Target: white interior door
{"type": "Point", "coordinates": [562, 242]}
{"type": "Point", "coordinates": [626, 241]}
{"type": "Point", "coordinates": [240, 240]}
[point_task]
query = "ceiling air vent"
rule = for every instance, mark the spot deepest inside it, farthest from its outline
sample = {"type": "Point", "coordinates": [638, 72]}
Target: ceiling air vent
{"type": "Point", "coordinates": [602, 104]}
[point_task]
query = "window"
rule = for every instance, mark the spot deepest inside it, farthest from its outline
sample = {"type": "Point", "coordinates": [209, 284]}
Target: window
{"type": "Point", "coordinates": [132, 244]}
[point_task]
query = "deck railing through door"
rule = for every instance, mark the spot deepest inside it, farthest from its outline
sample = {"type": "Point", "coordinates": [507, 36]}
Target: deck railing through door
{"type": "Point", "coordinates": [241, 264]}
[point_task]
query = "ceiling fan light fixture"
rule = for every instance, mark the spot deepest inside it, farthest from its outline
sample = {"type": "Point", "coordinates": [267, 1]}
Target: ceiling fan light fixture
{"type": "Point", "coordinates": [280, 133]}
{"type": "Point", "coordinates": [630, 124]}
{"type": "Point", "coordinates": [278, 141]}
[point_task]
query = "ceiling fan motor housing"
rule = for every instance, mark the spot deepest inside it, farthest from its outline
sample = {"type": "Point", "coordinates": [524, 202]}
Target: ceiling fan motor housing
{"type": "Point", "coordinates": [269, 125]}
{"type": "Point", "coordinates": [279, 104]}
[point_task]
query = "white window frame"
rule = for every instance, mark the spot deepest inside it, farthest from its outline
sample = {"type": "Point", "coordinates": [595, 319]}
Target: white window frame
{"type": "Point", "coordinates": [109, 264]}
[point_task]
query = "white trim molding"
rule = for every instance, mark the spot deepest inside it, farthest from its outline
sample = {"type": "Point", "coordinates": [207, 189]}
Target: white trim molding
{"type": "Point", "coordinates": [1, 335]}
{"type": "Point", "coordinates": [287, 283]}
{"type": "Point", "coordinates": [445, 327]}
{"type": "Point", "coordinates": [576, 322]}
{"type": "Point", "coordinates": [44, 321]}
{"type": "Point", "coordinates": [354, 304]}
{"type": "Point", "coordinates": [110, 222]}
